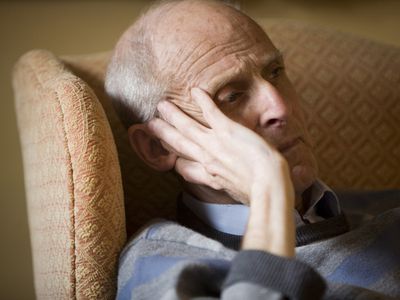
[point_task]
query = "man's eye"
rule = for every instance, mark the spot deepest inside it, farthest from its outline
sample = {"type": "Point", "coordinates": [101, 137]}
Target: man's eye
{"type": "Point", "coordinates": [232, 97]}
{"type": "Point", "coordinates": [276, 72]}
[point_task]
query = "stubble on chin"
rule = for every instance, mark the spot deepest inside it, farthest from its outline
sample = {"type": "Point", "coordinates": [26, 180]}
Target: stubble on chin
{"type": "Point", "coordinates": [304, 173]}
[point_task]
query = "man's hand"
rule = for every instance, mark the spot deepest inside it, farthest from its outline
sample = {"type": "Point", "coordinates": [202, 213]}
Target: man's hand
{"type": "Point", "coordinates": [228, 156]}
{"type": "Point", "coordinates": [224, 156]}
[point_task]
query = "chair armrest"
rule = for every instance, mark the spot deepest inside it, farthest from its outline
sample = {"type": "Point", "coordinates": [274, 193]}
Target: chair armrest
{"type": "Point", "coordinates": [72, 180]}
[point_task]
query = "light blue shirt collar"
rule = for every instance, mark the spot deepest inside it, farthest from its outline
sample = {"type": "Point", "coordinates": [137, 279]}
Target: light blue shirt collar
{"type": "Point", "coordinates": [232, 218]}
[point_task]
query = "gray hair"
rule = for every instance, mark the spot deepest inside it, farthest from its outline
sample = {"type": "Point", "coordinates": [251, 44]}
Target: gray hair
{"type": "Point", "coordinates": [133, 80]}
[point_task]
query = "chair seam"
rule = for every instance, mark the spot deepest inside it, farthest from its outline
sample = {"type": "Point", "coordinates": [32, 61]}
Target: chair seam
{"type": "Point", "coordinates": [72, 203]}
{"type": "Point", "coordinates": [71, 181]}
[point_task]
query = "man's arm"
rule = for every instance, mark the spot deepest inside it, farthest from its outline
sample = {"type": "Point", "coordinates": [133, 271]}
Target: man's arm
{"type": "Point", "coordinates": [226, 155]}
{"type": "Point", "coordinates": [270, 226]}
{"type": "Point", "coordinates": [169, 261]}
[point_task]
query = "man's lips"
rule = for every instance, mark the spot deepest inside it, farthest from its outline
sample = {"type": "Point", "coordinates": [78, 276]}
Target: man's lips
{"type": "Point", "coordinates": [289, 144]}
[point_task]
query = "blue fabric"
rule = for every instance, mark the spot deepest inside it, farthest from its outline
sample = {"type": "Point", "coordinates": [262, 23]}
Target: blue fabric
{"type": "Point", "coordinates": [148, 268]}
{"type": "Point", "coordinates": [232, 218]}
{"type": "Point", "coordinates": [169, 259]}
{"type": "Point", "coordinates": [370, 265]}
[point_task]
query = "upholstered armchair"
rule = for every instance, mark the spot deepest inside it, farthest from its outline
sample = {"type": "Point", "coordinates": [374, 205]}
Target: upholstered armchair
{"type": "Point", "coordinates": [87, 192]}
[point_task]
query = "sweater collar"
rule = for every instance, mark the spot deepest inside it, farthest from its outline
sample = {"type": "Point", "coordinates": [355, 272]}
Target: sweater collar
{"type": "Point", "coordinates": [305, 234]}
{"type": "Point", "coordinates": [232, 218]}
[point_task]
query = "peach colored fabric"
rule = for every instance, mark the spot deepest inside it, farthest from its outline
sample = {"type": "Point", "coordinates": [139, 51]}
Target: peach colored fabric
{"type": "Point", "coordinates": [72, 178]}
{"type": "Point", "coordinates": [351, 95]}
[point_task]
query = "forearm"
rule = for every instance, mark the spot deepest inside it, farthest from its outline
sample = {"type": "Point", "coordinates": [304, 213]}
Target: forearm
{"type": "Point", "coordinates": [271, 226]}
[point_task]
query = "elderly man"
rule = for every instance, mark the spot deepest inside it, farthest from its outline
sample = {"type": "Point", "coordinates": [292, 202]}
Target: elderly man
{"type": "Point", "coordinates": [203, 91]}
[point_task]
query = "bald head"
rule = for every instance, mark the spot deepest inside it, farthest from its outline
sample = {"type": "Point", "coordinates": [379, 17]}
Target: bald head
{"type": "Point", "coordinates": [179, 45]}
{"type": "Point", "coordinates": [153, 58]}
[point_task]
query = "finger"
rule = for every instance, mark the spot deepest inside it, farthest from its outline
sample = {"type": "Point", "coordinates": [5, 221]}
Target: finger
{"type": "Point", "coordinates": [181, 121]}
{"type": "Point", "coordinates": [194, 172]}
{"type": "Point", "coordinates": [212, 114]}
{"type": "Point", "coordinates": [190, 128]}
{"type": "Point", "coordinates": [172, 137]}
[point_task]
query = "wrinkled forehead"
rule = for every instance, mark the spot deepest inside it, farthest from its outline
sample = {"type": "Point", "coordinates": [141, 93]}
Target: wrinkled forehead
{"type": "Point", "coordinates": [189, 30]}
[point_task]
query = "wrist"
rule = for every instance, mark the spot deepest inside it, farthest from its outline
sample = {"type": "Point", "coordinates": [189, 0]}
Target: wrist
{"type": "Point", "coordinates": [271, 224]}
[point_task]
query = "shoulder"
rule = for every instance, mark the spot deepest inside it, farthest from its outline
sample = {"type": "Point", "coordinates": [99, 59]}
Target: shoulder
{"type": "Point", "coordinates": [165, 242]}
{"type": "Point", "coordinates": [171, 235]}
{"type": "Point", "coordinates": [164, 253]}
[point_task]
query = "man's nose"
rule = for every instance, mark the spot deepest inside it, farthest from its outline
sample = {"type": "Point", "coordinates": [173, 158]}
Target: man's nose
{"type": "Point", "coordinates": [275, 108]}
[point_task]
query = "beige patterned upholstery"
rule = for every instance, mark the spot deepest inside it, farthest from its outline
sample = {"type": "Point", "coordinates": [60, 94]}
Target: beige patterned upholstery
{"type": "Point", "coordinates": [351, 91]}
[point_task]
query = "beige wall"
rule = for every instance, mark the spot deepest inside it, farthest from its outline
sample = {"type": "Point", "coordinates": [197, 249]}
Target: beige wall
{"type": "Point", "coordinates": [88, 26]}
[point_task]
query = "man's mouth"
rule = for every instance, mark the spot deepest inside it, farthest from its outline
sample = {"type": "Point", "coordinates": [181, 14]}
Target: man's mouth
{"type": "Point", "coordinates": [289, 145]}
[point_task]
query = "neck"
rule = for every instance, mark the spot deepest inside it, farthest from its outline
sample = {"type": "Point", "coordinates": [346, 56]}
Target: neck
{"type": "Point", "coordinates": [209, 195]}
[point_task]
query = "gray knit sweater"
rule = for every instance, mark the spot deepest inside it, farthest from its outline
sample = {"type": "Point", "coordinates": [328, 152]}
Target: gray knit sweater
{"type": "Point", "coordinates": [169, 261]}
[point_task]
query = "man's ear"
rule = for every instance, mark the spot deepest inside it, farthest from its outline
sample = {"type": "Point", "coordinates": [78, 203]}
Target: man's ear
{"type": "Point", "coordinates": [149, 148]}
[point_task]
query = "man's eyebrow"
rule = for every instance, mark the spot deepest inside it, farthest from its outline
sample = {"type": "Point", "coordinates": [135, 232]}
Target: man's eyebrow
{"type": "Point", "coordinates": [269, 58]}
{"type": "Point", "coordinates": [265, 61]}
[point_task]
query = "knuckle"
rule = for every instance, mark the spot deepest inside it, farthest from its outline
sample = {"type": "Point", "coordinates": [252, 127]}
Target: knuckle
{"type": "Point", "coordinates": [212, 110]}
{"type": "Point", "coordinates": [184, 123]}
{"type": "Point", "coordinates": [180, 141]}
{"type": "Point", "coordinates": [183, 171]}
{"type": "Point", "coordinates": [152, 124]}
{"type": "Point", "coordinates": [156, 127]}
{"type": "Point", "coordinates": [204, 159]}
{"type": "Point", "coordinates": [217, 187]}
{"type": "Point", "coordinates": [180, 144]}
{"type": "Point", "coordinates": [186, 177]}
{"type": "Point", "coordinates": [225, 129]}
{"type": "Point", "coordinates": [210, 166]}
{"type": "Point", "coordinates": [214, 184]}
{"type": "Point", "coordinates": [281, 162]}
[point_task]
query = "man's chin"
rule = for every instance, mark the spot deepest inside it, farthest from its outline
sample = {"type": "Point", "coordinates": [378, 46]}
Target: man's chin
{"type": "Point", "coordinates": [303, 177]}
{"type": "Point", "coordinates": [207, 194]}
